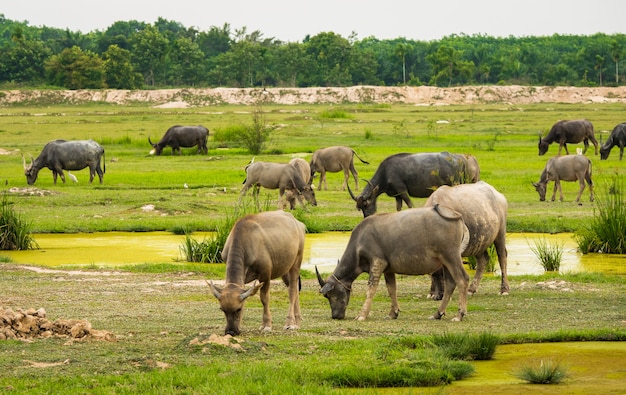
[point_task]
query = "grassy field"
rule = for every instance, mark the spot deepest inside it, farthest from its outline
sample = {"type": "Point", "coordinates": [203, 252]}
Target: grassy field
{"type": "Point", "coordinates": [503, 138]}
{"type": "Point", "coordinates": [163, 315]}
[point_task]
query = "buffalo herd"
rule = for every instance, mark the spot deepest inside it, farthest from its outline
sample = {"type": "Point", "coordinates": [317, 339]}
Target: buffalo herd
{"type": "Point", "coordinates": [462, 217]}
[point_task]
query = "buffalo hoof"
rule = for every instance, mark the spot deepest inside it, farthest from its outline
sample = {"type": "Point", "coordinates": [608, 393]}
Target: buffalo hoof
{"type": "Point", "coordinates": [457, 319]}
{"type": "Point", "coordinates": [266, 328]}
{"type": "Point", "coordinates": [291, 327]}
{"type": "Point", "coordinates": [437, 316]}
{"type": "Point", "coordinates": [504, 293]}
{"type": "Point", "coordinates": [359, 318]}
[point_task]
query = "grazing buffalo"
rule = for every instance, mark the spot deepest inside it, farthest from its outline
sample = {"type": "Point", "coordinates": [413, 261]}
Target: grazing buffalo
{"type": "Point", "coordinates": [305, 171]}
{"type": "Point", "coordinates": [261, 247]}
{"type": "Point", "coordinates": [416, 175]}
{"type": "Point", "coordinates": [565, 168]}
{"type": "Point", "coordinates": [281, 176]}
{"type": "Point", "coordinates": [59, 155]}
{"type": "Point", "coordinates": [333, 160]}
{"type": "Point", "coordinates": [484, 211]}
{"type": "Point", "coordinates": [182, 136]}
{"type": "Point", "coordinates": [412, 242]}
{"type": "Point", "coordinates": [617, 138]}
{"type": "Point", "coordinates": [565, 132]}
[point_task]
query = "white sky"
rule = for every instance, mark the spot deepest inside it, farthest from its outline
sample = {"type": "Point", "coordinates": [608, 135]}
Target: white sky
{"type": "Point", "coordinates": [292, 20]}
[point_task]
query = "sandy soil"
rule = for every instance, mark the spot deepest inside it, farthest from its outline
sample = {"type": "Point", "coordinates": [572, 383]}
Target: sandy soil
{"type": "Point", "coordinates": [424, 95]}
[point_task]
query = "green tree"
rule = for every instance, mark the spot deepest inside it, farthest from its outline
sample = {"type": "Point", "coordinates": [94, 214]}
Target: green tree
{"type": "Point", "coordinates": [186, 63]}
{"type": "Point", "coordinates": [329, 57]}
{"type": "Point", "coordinates": [289, 60]}
{"type": "Point", "coordinates": [616, 53]}
{"type": "Point", "coordinates": [118, 69]}
{"type": "Point", "coordinates": [22, 60]}
{"type": "Point", "coordinates": [401, 50]}
{"type": "Point", "coordinates": [74, 68]}
{"type": "Point", "coordinates": [149, 52]}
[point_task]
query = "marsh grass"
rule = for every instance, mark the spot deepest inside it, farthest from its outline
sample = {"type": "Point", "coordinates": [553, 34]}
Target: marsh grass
{"type": "Point", "coordinates": [548, 372]}
{"type": "Point", "coordinates": [466, 347]}
{"type": "Point", "coordinates": [549, 254]}
{"type": "Point", "coordinates": [606, 231]}
{"type": "Point", "coordinates": [15, 232]}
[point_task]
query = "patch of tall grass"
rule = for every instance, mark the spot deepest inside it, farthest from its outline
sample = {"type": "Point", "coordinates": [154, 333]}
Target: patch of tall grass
{"type": "Point", "coordinates": [548, 372]}
{"type": "Point", "coordinates": [549, 254]}
{"type": "Point", "coordinates": [607, 231]}
{"type": "Point", "coordinates": [462, 346]}
{"type": "Point", "coordinates": [15, 233]}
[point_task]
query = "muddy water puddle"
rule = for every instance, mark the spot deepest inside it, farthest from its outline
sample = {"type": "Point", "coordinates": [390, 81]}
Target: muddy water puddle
{"type": "Point", "coordinates": [322, 250]}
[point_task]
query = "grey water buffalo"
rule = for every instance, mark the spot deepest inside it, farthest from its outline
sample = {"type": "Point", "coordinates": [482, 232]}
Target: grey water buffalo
{"type": "Point", "coordinates": [565, 168]}
{"type": "Point", "coordinates": [305, 172]}
{"type": "Point", "coordinates": [281, 176]}
{"type": "Point", "coordinates": [59, 155]}
{"type": "Point", "coordinates": [616, 138]}
{"type": "Point", "coordinates": [411, 242]}
{"type": "Point", "coordinates": [332, 160]}
{"type": "Point", "coordinates": [484, 212]}
{"type": "Point", "coordinates": [565, 132]}
{"type": "Point", "coordinates": [182, 136]}
{"type": "Point", "coordinates": [417, 175]}
{"type": "Point", "coordinates": [261, 247]}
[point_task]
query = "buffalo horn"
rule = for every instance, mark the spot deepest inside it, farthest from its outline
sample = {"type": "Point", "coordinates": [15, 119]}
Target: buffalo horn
{"type": "Point", "coordinates": [351, 194]}
{"type": "Point", "coordinates": [319, 278]}
{"type": "Point", "coordinates": [150, 141]}
{"type": "Point", "coordinates": [24, 162]}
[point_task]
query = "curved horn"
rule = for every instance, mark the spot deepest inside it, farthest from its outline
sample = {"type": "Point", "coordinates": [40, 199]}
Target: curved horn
{"type": "Point", "coordinates": [150, 141]}
{"type": "Point", "coordinates": [319, 278]}
{"type": "Point", "coordinates": [351, 194]}
{"type": "Point", "coordinates": [24, 162]}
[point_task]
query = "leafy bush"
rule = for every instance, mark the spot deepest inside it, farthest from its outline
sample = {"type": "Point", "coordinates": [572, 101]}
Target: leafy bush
{"type": "Point", "coordinates": [255, 136]}
{"type": "Point", "coordinates": [547, 373]}
{"type": "Point", "coordinates": [14, 233]}
{"type": "Point", "coordinates": [607, 231]}
{"type": "Point", "coordinates": [549, 255]}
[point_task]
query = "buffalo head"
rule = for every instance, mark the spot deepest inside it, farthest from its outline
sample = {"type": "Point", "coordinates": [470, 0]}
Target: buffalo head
{"type": "Point", "coordinates": [231, 298]}
{"type": "Point", "coordinates": [337, 293]}
{"type": "Point", "coordinates": [156, 148]}
{"type": "Point", "coordinates": [366, 201]}
{"type": "Point", "coordinates": [30, 172]}
{"type": "Point", "coordinates": [543, 146]}
{"type": "Point", "coordinates": [604, 153]}
{"type": "Point", "coordinates": [541, 187]}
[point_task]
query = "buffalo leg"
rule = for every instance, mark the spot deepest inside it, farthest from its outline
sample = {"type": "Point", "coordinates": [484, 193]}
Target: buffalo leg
{"type": "Point", "coordinates": [346, 178]}
{"type": "Point", "coordinates": [294, 316]}
{"type": "Point", "coordinates": [355, 175]}
{"type": "Point", "coordinates": [455, 276]}
{"type": "Point", "coordinates": [580, 191]}
{"type": "Point", "coordinates": [265, 299]}
{"type": "Point", "coordinates": [378, 266]}
{"type": "Point", "coordinates": [481, 264]}
{"type": "Point", "coordinates": [557, 185]}
{"type": "Point", "coordinates": [500, 244]}
{"type": "Point", "coordinates": [390, 280]}
{"type": "Point", "coordinates": [436, 285]}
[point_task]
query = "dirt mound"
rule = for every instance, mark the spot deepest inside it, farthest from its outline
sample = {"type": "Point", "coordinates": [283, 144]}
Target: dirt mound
{"type": "Point", "coordinates": [28, 324]}
{"type": "Point", "coordinates": [418, 95]}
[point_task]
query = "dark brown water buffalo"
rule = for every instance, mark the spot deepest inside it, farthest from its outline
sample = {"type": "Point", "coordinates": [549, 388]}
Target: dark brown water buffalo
{"type": "Point", "coordinates": [565, 168]}
{"type": "Point", "coordinates": [417, 175]}
{"type": "Point", "coordinates": [281, 176]}
{"type": "Point", "coordinates": [182, 136]}
{"type": "Point", "coordinates": [412, 242]}
{"type": "Point", "coordinates": [261, 247]}
{"type": "Point", "coordinates": [335, 159]}
{"type": "Point", "coordinates": [59, 155]}
{"type": "Point", "coordinates": [484, 211]}
{"type": "Point", "coordinates": [617, 138]}
{"type": "Point", "coordinates": [565, 132]}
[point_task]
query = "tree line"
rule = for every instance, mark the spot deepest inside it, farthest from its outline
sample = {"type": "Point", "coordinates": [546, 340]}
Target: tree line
{"type": "Point", "coordinates": [136, 55]}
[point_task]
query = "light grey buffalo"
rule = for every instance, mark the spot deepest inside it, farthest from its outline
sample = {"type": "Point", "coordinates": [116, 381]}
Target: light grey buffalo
{"type": "Point", "coordinates": [59, 155]}
{"type": "Point", "coordinates": [412, 242]}
{"type": "Point", "coordinates": [305, 171]}
{"type": "Point", "coordinates": [281, 176]}
{"type": "Point", "coordinates": [565, 168]}
{"type": "Point", "coordinates": [484, 211]}
{"type": "Point", "coordinates": [565, 132]}
{"type": "Point", "coordinates": [617, 138]}
{"type": "Point", "coordinates": [182, 136]}
{"type": "Point", "coordinates": [335, 159]}
{"type": "Point", "coordinates": [261, 247]}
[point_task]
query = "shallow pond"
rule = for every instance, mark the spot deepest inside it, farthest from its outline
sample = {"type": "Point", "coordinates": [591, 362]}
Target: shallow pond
{"type": "Point", "coordinates": [322, 250]}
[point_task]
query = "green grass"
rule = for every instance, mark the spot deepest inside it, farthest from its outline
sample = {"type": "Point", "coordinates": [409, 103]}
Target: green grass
{"type": "Point", "coordinates": [548, 254]}
{"type": "Point", "coordinates": [548, 372]}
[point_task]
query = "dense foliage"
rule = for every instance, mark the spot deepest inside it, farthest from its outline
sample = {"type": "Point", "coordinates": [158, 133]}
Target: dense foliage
{"type": "Point", "coordinates": [132, 54]}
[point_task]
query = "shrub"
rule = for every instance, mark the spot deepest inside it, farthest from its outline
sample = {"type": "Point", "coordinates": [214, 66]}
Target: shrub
{"type": "Point", "coordinates": [547, 373]}
{"type": "Point", "coordinates": [14, 232]}
{"type": "Point", "coordinates": [255, 136]}
{"type": "Point", "coordinates": [607, 231]}
{"type": "Point", "coordinates": [549, 255]}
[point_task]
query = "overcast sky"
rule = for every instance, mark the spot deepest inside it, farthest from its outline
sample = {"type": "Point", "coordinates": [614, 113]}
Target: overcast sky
{"type": "Point", "coordinates": [293, 20]}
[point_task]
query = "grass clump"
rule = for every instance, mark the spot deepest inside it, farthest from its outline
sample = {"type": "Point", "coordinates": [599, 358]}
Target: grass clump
{"type": "Point", "coordinates": [549, 254]}
{"type": "Point", "coordinates": [15, 233]}
{"type": "Point", "coordinates": [607, 231]}
{"type": "Point", "coordinates": [548, 372]}
{"type": "Point", "coordinates": [463, 347]}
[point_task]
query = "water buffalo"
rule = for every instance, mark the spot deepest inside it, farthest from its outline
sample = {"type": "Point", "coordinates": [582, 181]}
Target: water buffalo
{"type": "Point", "coordinates": [412, 242]}
{"type": "Point", "coordinates": [484, 211]}
{"type": "Point", "coordinates": [565, 132]}
{"type": "Point", "coordinates": [417, 175]}
{"type": "Point", "coordinates": [305, 171]}
{"type": "Point", "coordinates": [261, 247]}
{"type": "Point", "coordinates": [333, 160]}
{"type": "Point", "coordinates": [59, 155]}
{"type": "Point", "coordinates": [281, 176]}
{"type": "Point", "coordinates": [617, 137]}
{"type": "Point", "coordinates": [182, 136]}
{"type": "Point", "coordinates": [565, 168]}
